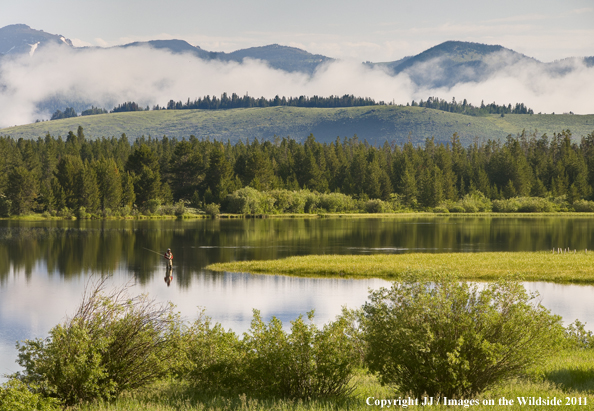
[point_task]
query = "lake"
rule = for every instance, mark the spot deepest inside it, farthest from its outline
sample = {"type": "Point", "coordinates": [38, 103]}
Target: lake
{"type": "Point", "coordinates": [44, 266]}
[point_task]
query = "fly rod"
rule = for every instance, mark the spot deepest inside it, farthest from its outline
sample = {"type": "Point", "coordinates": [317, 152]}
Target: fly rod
{"type": "Point", "coordinates": [152, 251]}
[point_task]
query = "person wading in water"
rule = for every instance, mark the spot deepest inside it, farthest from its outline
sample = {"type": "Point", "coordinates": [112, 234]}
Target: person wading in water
{"type": "Point", "coordinates": [169, 257]}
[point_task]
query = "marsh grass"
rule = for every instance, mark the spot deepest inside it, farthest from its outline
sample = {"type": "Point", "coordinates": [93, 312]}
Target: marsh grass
{"type": "Point", "coordinates": [569, 267]}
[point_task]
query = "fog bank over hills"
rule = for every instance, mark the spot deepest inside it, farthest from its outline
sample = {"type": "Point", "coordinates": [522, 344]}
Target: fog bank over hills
{"type": "Point", "coordinates": [42, 72]}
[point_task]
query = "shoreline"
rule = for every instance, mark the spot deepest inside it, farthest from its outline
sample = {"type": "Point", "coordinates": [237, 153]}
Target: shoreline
{"type": "Point", "coordinates": [223, 216]}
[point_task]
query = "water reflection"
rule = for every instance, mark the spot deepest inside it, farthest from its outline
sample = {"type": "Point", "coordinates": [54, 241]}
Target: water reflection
{"type": "Point", "coordinates": [45, 265]}
{"type": "Point", "coordinates": [71, 249]}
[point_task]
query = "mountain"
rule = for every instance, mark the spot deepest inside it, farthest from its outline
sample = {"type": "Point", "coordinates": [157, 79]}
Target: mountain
{"type": "Point", "coordinates": [285, 58]}
{"type": "Point", "coordinates": [174, 46]}
{"type": "Point", "coordinates": [20, 38]}
{"type": "Point", "coordinates": [455, 62]}
{"type": "Point", "coordinates": [280, 57]}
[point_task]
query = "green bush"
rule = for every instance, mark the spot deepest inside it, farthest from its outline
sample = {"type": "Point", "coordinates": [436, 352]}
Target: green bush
{"type": "Point", "coordinates": [65, 213]}
{"type": "Point", "coordinates": [5, 205]}
{"type": "Point", "coordinates": [15, 396]}
{"type": "Point", "coordinates": [215, 358]}
{"type": "Point", "coordinates": [377, 206]}
{"type": "Point", "coordinates": [125, 211]}
{"type": "Point", "coordinates": [441, 209]}
{"type": "Point", "coordinates": [524, 205]}
{"type": "Point", "coordinates": [457, 208]}
{"type": "Point", "coordinates": [213, 210]}
{"type": "Point", "coordinates": [578, 337]}
{"type": "Point", "coordinates": [583, 206]}
{"type": "Point", "coordinates": [454, 339]}
{"type": "Point", "coordinates": [180, 208]}
{"type": "Point", "coordinates": [113, 343]}
{"type": "Point", "coordinates": [306, 363]}
{"type": "Point", "coordinates": [470, 203]}
{"type": "Point", "coordinates": [82, 214]}
{"type": "Point", "coordinates": [336, 203]}
{"type": "Point", "coordinates": [312, 202]}
{"type": "Point", "coordinates": [152, 206]}
{"type": "Point", "coordinates": [286, 201]}
{"type": "Point", "coordinates": [248, 200]}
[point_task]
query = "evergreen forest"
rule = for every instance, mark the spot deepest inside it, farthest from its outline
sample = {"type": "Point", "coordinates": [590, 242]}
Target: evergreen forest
{"type": "Point", "coordinates": [115, 176]}
{"type": "Point", "coordinates": [225, 102]}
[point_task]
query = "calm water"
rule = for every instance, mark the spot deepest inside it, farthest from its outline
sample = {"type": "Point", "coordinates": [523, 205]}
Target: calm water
{"type": "Point", "coordinates": [44, 265]}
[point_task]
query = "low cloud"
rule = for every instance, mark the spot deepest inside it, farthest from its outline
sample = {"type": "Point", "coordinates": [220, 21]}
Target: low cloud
{"type": "Point", "coordinates": [107, 77]}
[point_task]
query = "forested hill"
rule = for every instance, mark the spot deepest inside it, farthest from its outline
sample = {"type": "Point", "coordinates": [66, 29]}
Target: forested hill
{"type": "Point", "coordinates": [375, 124]}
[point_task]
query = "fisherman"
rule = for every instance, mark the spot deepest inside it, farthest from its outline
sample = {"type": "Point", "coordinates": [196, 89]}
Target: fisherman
{"type": "Point", "coordinates": [169, 257]}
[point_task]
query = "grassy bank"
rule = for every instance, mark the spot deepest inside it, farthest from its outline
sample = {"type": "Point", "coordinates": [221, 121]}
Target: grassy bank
{"type": "Point", "coordinates": [568, 374]}
{"type": "Point", "coordinates": [566, 267]}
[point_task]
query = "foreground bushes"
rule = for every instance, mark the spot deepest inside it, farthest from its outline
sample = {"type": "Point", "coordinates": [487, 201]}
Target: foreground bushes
{"type": "Point", "coordinates": [113, 343]}
{"type": "Point", "coordinates": [16, 396]}
{"type": "Point", "coordinates": [454, 339]}
{"type": "Point", "coordinates": [442, 338]}
{"type": "Point", "coordinates": [306, 363]}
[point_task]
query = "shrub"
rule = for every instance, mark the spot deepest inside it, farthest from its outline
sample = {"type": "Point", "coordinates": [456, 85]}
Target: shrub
{"type": "Point", "coordinates": [578, 337]}
{"type": "Point", "coordinates": [152, 206]}
{"type": "Point", "coordinates": [248, 200]}
{"type": "Point", "coordinates": [81, 213]}
{"type": "Point", "coordinates": [65, 213]}
{"type": "Point", "coordinates": [377, 206]}
{"type": "Point", "coordinates": [215, 360]}
{"type": "Point", "coordinates": [15, 396]}
{"type": "Point", "coordinates": [5, 205]}
{"type": "Point", "coordinates": [454, 339]}
{"type": "Point", "coordinates": [213, 210]}
{"type": "Point", "coordinates": [112, 343]}
{"type": "Point", "coordinates": [336, 203]}
{"type": "Point", "coordinates": [180, 208]}
{"type": "Point", "coordinates": [457, 208]}
{"type": "Point", "coordinates": [475, 202]}
{"type": "Point", "coordinates": [583, 206]}
{"type": "Point", "coordinates": [286, 201]}
{"type": "Point", "coordinates": [306, 363]}
{"type": "Point", "coordinates": [441, 209]}
{"type": "Point", "coordinates": [125, 211]}
{"type": "Point", "coordinates": [312, 202]}
{"type": "Point", "coordinates": [524, 205]}
{"type": "Point", "coordinates": [535, 205]}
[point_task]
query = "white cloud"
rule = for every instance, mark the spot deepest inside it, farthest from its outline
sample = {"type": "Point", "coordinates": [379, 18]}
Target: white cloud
{"type": "Point", "coordinates": [106, 77]}
{"type": "Point", "coordinates": [80, 43]}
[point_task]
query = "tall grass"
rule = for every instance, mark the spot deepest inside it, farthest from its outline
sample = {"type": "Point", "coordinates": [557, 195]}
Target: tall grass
{"type": "Point", "coordinates": [568, 374]}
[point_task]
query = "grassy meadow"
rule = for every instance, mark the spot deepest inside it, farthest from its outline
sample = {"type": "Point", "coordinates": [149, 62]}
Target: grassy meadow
{"type": "Point", "coordinates": [376, 124]}
{"type": "Point", "coordinates": [568, 374]}
{"type": "Point", "coordinates": [567, 267]}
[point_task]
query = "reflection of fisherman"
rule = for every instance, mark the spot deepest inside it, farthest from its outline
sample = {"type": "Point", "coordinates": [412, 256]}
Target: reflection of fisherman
{"type": "Point", "coordinates": [169, 257]}
{"type": "Point", "coordinates": [168, 277]}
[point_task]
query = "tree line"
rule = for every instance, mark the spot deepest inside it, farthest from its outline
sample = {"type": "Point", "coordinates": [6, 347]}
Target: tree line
{"type": "Point", "coordinates": [225, 102]}
{"type": "Point", "coordinates": [51, 174]}
{"type": "Point", "coordinates": [467, 108]}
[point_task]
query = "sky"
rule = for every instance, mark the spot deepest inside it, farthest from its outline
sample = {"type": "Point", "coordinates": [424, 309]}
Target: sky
{"type": "Point", "coordinates": [371, 30]}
